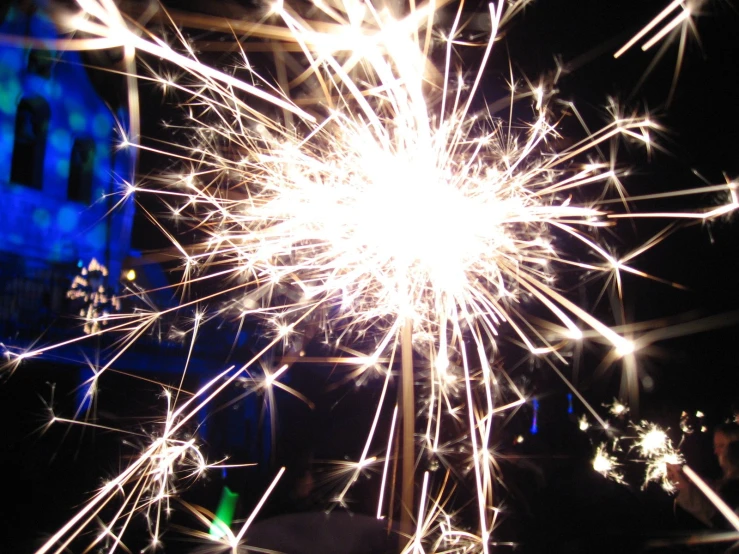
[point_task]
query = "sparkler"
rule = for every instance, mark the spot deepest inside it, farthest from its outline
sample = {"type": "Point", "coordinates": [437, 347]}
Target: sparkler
{"type": "Point", "coordinates": [607, 465]}
{"type": "Point", "coordinates": [656, 448]}
{"type": "Point", "coordinates": [653, 447]}
{"type": "Point", "coordinates": [644, 442]}
{"type": "Point", "coordinates": [383, 206]}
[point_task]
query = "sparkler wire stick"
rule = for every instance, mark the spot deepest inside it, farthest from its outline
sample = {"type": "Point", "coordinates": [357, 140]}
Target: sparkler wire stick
{"type": "Point", "coordinates": [417, 548]}
{"type": "Point", "coordinates": [715, 499]}
{"type": "Point", "coordinates": [664, 13]}
{"type": "Point", "coordinates": [409, 420]}
{"type": "Point", "coordinates": [258, 507]}
{"type": "Point", "coordinates": [685, 14]}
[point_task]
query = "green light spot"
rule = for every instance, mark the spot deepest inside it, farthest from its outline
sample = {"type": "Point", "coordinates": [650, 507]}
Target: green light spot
{"type": "Point", "coordinates": [224, 514]}
{"type": "Point", "coordinates": [10, 91]}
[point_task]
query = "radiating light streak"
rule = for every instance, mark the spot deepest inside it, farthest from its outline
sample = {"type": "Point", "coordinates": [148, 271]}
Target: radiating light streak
{"type": "Point", "coordinates": [651, 25]}
{"type": "Point", "coordinates": [417, 547]}
{"type": "Point", "coordinates": [237, 539]}
{"type": "Point", "coordinates": [133, 471]}
{"type": "Point", "coordinates": [685, 14]}
{"type": "Point", "coordinates": [363, 459]}
{"type": "Point", "coordinates": [708, 537]}
{"type": "Point", "coordinates": [388, 454]}
{"type": "Point", "coordinates": [196, 327]}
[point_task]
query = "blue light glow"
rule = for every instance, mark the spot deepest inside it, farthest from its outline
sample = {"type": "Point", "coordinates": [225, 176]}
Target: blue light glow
{"type": "Point", "coordinates": [534, 423]}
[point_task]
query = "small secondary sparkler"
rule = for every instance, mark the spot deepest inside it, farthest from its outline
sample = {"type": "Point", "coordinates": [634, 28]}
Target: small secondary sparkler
{"type": "Point", "coordinates": [651, 445]}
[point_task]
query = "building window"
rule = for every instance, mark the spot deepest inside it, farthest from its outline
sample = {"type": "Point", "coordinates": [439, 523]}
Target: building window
{"type": "Point", "coordinates": [31, 122]}
{"type": "Point", "coordinates": [40, 62]}
{"type": "Point", "coordinates": [81, 165]}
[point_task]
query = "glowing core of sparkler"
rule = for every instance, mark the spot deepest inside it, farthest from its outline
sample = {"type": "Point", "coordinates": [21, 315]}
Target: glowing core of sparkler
{"type": "Point", "coordinates": [409, 220]}
{"type": "Point", "coordinates": [602, 464]}
{"type": "Point", "coordinates": [653, 442]}
{"type": "Point", "coordinates": [607, 465]}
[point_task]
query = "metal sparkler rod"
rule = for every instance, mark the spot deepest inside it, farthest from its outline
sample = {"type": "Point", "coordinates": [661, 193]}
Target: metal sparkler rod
{"type": "Point", "coordinates": [721, 506]}
{"type": "Point", "coordinates": [407, 402]}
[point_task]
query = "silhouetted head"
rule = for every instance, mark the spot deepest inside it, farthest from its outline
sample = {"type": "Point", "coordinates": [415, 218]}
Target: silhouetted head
{"type": "Point", "coordinates": [732, 460]}
{"type": "Point", "coordinates": [724, 435]}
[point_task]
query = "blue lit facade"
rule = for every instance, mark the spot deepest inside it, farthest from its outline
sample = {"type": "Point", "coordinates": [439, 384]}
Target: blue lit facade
{"type": "Point", "coordinates": [60, 167]}
{"type": "Point", "coordinates": [61, 172]}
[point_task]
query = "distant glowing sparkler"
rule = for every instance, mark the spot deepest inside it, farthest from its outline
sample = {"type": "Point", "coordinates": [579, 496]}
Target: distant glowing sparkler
{"type": "Point", "coordinates": [642, 443]}
{"type": "Point", "coordinates": [380, 203]}
{"type": "Point", "coordinates": [619, 409]}
{"type": "Point", "coordinates": [607, 465]}
{"type": "Point", "coordinates": [656, 448]}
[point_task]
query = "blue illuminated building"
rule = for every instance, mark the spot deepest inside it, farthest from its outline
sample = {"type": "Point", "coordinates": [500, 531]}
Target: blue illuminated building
{"type": "Point", "coordinates": [62, 174]}
{"type": "Point", "coordinates": [61, 171]}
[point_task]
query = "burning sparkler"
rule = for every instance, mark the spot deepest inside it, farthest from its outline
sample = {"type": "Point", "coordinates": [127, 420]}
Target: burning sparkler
{"type": "Point", "coordinates": [607, 464]}
{"type": "Point", "coordinates": [385, 206]}
{"type": "Point", "coordinates": [644, 442]}
{"type": "Point", "coordinates": [650, 445]}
